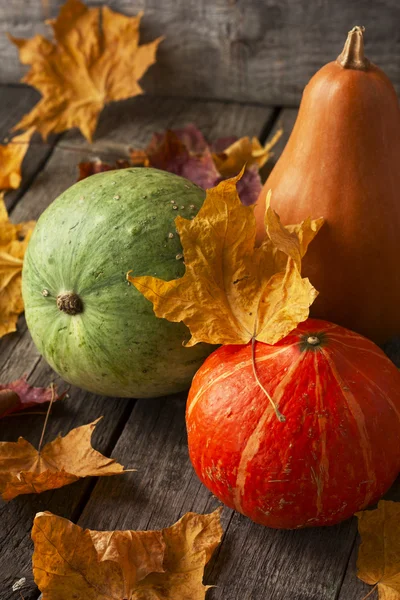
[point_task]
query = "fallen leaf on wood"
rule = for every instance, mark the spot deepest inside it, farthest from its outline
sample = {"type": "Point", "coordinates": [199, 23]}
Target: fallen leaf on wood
{"type": "Point", "coordinates": [95, 59]}
{"type": "Point", "coordinates": [86, 169]}
{"type": "Point", "coordinates": [184, 152]}
{"type": "Point", "coordinates": [24, 470]}
{"type": "Point", "coordinates": [244, 152]}
{"type": "Point", "coordinates": [11, 157]}
{"type": "Point", "coordinates": [232, 292]}
{"type": "Point", "coordinates": [378, 561]}
{"type": "Point", "coordinates": [13, 242]}
{"type": "Point", "coordinates": [69, 561]}
{"type": "Point", "coordinates": [19, 395]}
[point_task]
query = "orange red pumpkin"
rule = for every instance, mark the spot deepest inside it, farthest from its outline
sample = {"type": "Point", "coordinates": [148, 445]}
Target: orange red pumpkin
{"type": "Point", "coordinates": [338, 449]}
{"type": "Point", "coordinates": [342, 162]}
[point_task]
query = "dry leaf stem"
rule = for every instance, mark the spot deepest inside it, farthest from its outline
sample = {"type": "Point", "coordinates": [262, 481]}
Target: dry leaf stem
{"type": "Point", "coordinates": [371, 592]}
{"type": "Point", "coordinates": [47, 417]}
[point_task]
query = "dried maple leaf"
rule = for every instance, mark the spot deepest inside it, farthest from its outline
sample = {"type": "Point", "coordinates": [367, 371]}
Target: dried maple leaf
{"type": "Point", "coordinates": [24, 470]}
{"type": "Point", "coordinates": [379, 554]}
{"type": "Point", "coordinates": [183, 152]}
{"type": "Point", "coordinates": [244, 152]}
{"type": "Point", "coordinates": [95, 59]}
{"type": "Point", "coordinates": [69, 561]}
{"type": "Point", "coordinates": [232, 292]}
{"type": "Point", "coordinates": [13, 242]}
{"type": "Point", "coordinates": [11, 157]}
{"type": "Point", "coordinates": [19, 395]}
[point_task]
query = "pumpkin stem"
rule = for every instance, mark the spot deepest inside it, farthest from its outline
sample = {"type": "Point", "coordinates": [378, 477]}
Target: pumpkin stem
{"type": "Point", "coordinates": [279, 415]}
{"type": "Point", "coordinates": [70, 303]}
{"type": "Point", "coordinates": [352, 56]}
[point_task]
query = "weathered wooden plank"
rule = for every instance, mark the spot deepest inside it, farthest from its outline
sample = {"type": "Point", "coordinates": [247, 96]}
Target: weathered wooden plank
{"type": "Point", "coordinates": [16, 517]}
{"type": "Point", "coordinates": [352, 587]}
{"type": "Point", "coordinates": [14, 103]}
{"type": "Point", "coordinates": [254, 562]}
{"type": "Point", "coordinates": [124, 125]}
{"type": "Point", "coordinates": [131, 124]}
{"type": "Point", "coordinates": [244, 50]}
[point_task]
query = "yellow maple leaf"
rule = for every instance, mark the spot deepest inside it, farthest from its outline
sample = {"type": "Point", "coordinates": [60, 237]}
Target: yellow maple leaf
{"type": "Point", "coordinates": [378, 561]}
{"type": "Point", "coordinates": [232, 292]}
{"type": "Point", "coordinates": [11, 157]}
{"type": "Point", "coordinates": [69, 561]}
{"type": "Point", "coordinates": [13, 242]}
{"type": "Point", "coordinates": [244, 151]}
{"type": "Point", "coordinates": [95, 59]}
{"type": "Point", "coordinates": [25, 470]}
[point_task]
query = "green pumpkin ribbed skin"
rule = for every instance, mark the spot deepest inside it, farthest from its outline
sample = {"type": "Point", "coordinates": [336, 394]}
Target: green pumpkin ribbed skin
{"type": "Point", "coordinates": [85, 242]}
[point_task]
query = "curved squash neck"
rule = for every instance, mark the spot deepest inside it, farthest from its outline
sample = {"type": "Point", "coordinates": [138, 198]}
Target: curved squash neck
{"type": "Point", "coordinates": [352, 56]}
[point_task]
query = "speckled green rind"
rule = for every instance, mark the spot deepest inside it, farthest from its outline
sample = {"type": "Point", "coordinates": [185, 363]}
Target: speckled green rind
{"type": "Point", "coordinates": [86, 241]}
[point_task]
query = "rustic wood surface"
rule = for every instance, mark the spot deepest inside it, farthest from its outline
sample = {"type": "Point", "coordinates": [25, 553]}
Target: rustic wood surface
{"type": "Point", "coordinates": [243, 50]}
{"type": "Point", "coordinates": [253, 562]}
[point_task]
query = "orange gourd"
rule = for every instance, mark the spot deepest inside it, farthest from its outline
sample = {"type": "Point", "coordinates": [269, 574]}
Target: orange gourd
{"type": "Point", "coordinates": [342, 162]}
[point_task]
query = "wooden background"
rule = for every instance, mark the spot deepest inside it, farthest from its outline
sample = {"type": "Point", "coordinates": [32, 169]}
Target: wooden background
{"type": "Point", "coordinates": [261, 51]}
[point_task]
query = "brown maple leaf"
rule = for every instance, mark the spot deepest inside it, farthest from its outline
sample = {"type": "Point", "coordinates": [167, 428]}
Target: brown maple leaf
{"type": "Point", "coordinates": [95, 59]}
{"type": "Point", "coordinates": [11, 157]}
{"type": "Point", "coordinates": [69, 561]}
{"type": "Point", "coordinates": [232, 292]}
{"type": "Point", "coordinates": [13, 242]}
{"type": "Point", "coordinates": [25, 470]}
{"type": "Point", "coordinates": [19, 395]}
{"type": "Point", "coordinates": [379, 554]}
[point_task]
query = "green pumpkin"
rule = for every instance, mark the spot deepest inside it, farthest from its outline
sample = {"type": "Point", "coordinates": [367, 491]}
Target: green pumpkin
{"type": "Point", "coordinates": [94, 328]}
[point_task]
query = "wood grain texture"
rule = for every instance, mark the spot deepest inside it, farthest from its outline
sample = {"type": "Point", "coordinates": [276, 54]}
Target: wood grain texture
{"type": "Point", "coordinates": [253, 562]}
{"type": "Point", "coordinates": [14, 103]}
{"type": "Point", "coordinates": [353, 587]}
{"type": "Point", "coordinates": [243, 50]}
{"type": "Point", "coordinates": [17, 516]}
{"type": "Point", "coordinates": [127, 124]}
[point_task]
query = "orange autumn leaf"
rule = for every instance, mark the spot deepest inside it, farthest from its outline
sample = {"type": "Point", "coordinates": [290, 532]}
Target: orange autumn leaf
{"type": "Point", "coordinates": [11, 157]}
{"type": "Point", "coordinates": [244, 152]}
{"type": "Point", "coordinates": [71, 562]}
{"type": "Point", "coordinates": [231, 291]}
{"type": "Point", "coordinates": [379, 555]}
{"type": "Point", "coordinates": [24, 470]}
{"type": "Point", "coordinates": [13, 242]}
{"type": "Point", "coordinates": [95, 59]}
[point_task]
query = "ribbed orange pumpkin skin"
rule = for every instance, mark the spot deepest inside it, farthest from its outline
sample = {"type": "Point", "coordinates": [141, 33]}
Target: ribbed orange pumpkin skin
{"type": "Point", "coordinates": [338, 450]}
{"type": "Point", "coordinates": [342, 162]}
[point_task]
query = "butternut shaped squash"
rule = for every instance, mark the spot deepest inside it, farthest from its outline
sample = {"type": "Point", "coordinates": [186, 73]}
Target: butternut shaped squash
{"type": "Point", "coordinates": [342, 162]}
